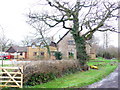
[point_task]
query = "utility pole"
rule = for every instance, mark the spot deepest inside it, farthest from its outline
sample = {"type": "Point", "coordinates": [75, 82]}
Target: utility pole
{"type": "Point", "coordinates": [105, 40]}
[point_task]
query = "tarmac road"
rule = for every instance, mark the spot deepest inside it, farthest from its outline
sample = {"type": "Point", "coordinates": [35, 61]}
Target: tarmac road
{"type": "Point", "coordinates": [111, 81]}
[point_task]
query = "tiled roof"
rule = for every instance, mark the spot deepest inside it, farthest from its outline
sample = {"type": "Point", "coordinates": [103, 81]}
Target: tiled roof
{"type": "Point", "coordinates": [19, 49]}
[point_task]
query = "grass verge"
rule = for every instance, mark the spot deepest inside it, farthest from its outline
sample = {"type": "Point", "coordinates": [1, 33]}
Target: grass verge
{"type": "Point", "coordinates": [80, 79]}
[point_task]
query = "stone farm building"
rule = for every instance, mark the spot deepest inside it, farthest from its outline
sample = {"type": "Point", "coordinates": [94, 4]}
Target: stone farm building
{"type": "Point", "coordinates": [66, 46]}
{"type": "Point", "coordinates": [39, 51]}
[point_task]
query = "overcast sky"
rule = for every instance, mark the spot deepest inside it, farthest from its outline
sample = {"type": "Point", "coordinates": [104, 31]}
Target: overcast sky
{"type": "Point", "coordinates": [13, 19]}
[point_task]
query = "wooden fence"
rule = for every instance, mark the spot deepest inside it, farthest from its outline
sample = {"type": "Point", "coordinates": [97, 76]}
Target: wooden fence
{"type": "Point", "coordinates": [11, 77]}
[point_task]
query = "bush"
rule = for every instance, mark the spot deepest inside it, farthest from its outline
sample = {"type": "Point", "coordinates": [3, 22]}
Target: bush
{"type": "Point", "coordinates": [58, 55]}
{"type": "Point", "coordinates": [38, 72]}
{"type": "Point", "coordinates": [107, 55]}
{"type": "Point", "coordinates": [99, 54]}
{"type": "Point", "coordinates": [40, 78]}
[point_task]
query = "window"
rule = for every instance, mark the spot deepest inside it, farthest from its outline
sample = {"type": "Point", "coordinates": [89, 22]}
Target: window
{"type": "Point", "coordinates": [21, 53]}
{"type": "Point", "coordinates": [71, 42]}
{"type": "Point", "coordinates": [71, 54]}
{"type": "Point", "coordinates": [42, 53]}
{"type": "Point", "coordinates": [34, 53]}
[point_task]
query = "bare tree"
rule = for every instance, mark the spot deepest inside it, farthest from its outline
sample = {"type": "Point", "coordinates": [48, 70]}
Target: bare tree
{"type": "Point", "coordinates": [4, 42]}
{"type": "Point", "coordinates": [94, 40]}
{"type": "Point", "coordinates": [40, 34]}
{"type": "Point", "coordinates": [11, 43]}
{"type": "Point", "coordinates": [27, 40]}
{"type": "Point", "coordinates": [87, 17]}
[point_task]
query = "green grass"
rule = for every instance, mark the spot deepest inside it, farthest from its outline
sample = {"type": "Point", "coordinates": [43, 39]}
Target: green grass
{"type": "Point", "coordinates": [80, 79]}
{"type": "Point", "coordinates": [5, 59]}
{"type": "Point", "coordinates": [102, 61]}
{"type": "Point", "coordinates": [7, 65]}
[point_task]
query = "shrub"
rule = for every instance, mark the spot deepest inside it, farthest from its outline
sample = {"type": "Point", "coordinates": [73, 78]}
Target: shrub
{"type": "Point", "coordinates": [58, 55]}
{"type": "Point", "coordinates": [40, 78]}
{"type": "Point", "coordinates": [107, 55]}
{"type": "Point", "coordinates": [38, 72]}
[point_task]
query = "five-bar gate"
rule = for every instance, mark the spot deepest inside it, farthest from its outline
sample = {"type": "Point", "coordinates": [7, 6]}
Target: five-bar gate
{"type": "Point", "coordinates": [11, 77]}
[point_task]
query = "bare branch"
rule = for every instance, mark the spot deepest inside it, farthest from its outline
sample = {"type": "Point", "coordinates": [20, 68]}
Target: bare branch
{"type": "Point", "coordinates": [100, 24]}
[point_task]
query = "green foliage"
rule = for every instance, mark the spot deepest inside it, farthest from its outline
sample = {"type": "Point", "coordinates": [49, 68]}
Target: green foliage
{"type": "Point", "coordinates": [40, 78]}
{"type": "Point", "coordinates": [99, 54]}
{"type": "Point", "coordinates": [58, 55]}
{"type": "Point", "coordinates": [81, 49]}
{"type": "Point", "coordinates": [46, 77]}
{"type": "Point", "coordinates": [107, 55]}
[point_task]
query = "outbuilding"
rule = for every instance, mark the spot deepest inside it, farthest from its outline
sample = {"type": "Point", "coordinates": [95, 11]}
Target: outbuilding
{"type": "Point", "coordinates": [18, 52]}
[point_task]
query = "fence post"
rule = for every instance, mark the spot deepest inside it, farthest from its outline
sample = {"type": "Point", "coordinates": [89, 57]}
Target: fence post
{"type": "Point", "coordinates": [21, 76]}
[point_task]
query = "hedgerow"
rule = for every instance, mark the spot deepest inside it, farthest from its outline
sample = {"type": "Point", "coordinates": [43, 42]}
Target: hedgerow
{"type": "Point", "coordinates": [38, 72]}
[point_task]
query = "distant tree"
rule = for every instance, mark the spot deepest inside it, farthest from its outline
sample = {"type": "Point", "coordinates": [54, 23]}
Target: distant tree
{"type": "Point", "coordinates": [11, 43]}
{"type": "Point", "coordinates": [94, 41]}
{"type": "Point", "coordinates": [87, 17]}
{"type": "Point", "coordinates": [110, 52]}
{"type": "Point", "coordinates": [40, 35]}
{"type": "Point", "coordinates": [113, 51]}
{"type": "Point", "coordinates": [4, 42]}
{"type": "Point", "coordinates": [27, 41]}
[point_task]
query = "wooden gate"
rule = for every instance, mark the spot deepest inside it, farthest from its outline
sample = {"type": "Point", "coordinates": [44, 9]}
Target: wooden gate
{"type": "Point", "coordinates": [11, 77]}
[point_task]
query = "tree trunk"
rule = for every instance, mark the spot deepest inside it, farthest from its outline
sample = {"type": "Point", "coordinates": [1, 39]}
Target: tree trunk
{"type": "Point", "coordinates": [81, 51]}
{"type": "Point", "coordinates": [79, 41]}
{"type": "Point", "coordinates": [48, 50]}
